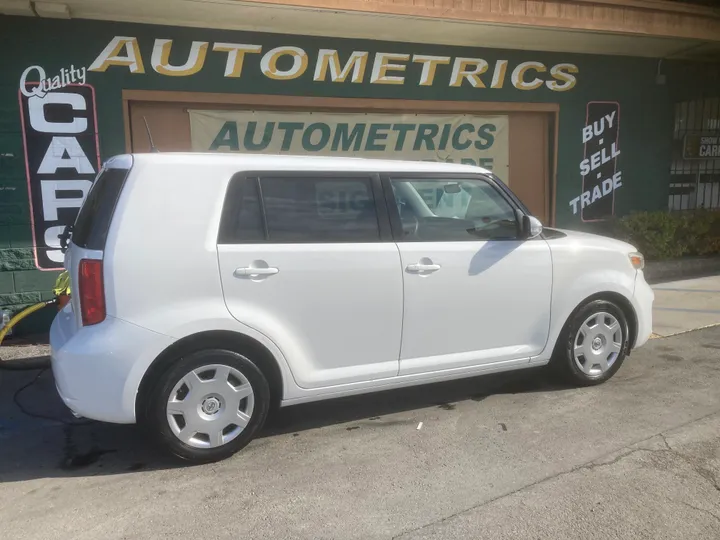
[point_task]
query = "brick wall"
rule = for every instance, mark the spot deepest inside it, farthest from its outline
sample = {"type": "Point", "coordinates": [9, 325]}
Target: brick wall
{"type": "Point", "coordinates": [20, 283]}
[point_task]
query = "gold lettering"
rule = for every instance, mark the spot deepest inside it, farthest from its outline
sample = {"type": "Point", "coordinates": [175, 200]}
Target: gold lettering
{"type": "Point", "coordinates": [498, 79]}
{"type": "Point", "coordinates": [383, 64]}
{"type": "Point", "coordinates": [470, 69]}
{"type": "Point", "coordinates": [518, 76]}
{"type": "Point", "coordinates": [268, 64]}
{"type": "Point", "coordinates": [562, 72]}
{"type": "Point", "coordinates": [236, 56]}
{"type": "Point", "coordinates": [110, 56]}
{"type": "Point", "coordinates": [430, 64]}
{"type": "Point", "coordinates": [328, 60]}
{"type": "Point", "coordinates": [160, 59]}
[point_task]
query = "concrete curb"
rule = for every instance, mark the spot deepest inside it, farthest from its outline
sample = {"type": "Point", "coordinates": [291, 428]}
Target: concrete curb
{"type": "Point", "coordinates": [681, 332]}
{"type": "Point", "coordinates": [684, 268]}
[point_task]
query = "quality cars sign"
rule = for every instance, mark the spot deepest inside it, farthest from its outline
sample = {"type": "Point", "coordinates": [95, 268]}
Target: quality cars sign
{"type": "Point", "coordinates": [62, 156]}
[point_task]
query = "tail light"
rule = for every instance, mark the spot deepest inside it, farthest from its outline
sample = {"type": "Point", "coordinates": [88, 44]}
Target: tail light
{"type": "Point", "coordinates": [91, 290]}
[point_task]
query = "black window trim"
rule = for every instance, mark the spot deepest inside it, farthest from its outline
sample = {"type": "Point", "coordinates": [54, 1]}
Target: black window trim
{"type": "Point", "coordinates": [230, 209]}
{"type": "Point", "coordinates": [97, 235]}
{"type": "Point", "coordinates": [499, 184]}
{"type": "Point", "coordinates": [263, 211]}
{"type": "Point", "coordinates": [231, 203]}
{"type": "Point", "coordinates": [395, 222]}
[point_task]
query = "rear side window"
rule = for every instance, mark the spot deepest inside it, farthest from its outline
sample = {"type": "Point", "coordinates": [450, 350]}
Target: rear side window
{"type": "Point", "coordinates": [93, 222]}
{"type": "Point", "coordinates": [242, 221]}
{"type": "Point", "coordinates": [300, 210]}
{"type": "Point", "coordinates": [319, 210]}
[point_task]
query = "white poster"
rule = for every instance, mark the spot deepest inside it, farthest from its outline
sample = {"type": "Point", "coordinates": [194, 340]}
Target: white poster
{"type": "Point", "coordinates": [474, 140]}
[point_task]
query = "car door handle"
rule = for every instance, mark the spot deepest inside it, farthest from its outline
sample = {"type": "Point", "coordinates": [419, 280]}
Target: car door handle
{"type": "Point", "coordinates": [250, 271]}
{"type": "Point", "coordinates": [422, 268]}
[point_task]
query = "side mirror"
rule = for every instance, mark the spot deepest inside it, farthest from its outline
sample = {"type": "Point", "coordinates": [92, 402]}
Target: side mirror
{"type": "Point", "coordinates": [531, 227]}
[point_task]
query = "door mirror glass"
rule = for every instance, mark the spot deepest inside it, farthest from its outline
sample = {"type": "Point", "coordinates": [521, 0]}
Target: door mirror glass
{"type": "Point", "coordinates": [533, 227]}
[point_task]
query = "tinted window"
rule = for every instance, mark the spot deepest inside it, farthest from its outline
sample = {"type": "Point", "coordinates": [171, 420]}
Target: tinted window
{"type": "Point", "coordinates": [242, 221]}
{"type": "Point", "coordinates": [93, 222]}
{"type": "Point", "coordinates": [319, 210]}
{"type": "Point", "coordinates": [450, 210]}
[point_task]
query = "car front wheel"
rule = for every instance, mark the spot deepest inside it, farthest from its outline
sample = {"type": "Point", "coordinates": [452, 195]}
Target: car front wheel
{"type": "Point", "coordinates": [593, 343]}
{"type": "Point", "coordinates": [209, 405]}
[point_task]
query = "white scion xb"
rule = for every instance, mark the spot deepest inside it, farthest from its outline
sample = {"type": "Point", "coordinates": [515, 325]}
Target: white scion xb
{"type": "Point", "coordinates": [208, 287]}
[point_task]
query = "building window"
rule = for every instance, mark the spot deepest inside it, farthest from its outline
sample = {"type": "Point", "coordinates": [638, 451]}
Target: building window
{"type": "Point", "coordinates": [695, 168]}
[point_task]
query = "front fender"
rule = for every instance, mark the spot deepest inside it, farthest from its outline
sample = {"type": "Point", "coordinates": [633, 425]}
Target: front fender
{"type": "Point", "coordinates": [570, 293]}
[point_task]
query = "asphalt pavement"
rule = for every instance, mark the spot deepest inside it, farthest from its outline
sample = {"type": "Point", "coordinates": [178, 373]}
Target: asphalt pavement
{"type": "Point", "coordinates": [505, 456]}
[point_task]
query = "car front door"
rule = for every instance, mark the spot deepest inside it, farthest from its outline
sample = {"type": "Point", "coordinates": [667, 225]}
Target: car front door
{"type": "Point", "coordinates": [475, 292]}
{"type": "Point", "coordinates": [309, 261]}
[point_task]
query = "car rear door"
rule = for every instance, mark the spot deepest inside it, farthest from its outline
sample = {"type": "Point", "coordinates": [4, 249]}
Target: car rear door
{"type": "Point", "coordinates": [308, 260]}
{"type": "Point", "coordinates": [475, 293]}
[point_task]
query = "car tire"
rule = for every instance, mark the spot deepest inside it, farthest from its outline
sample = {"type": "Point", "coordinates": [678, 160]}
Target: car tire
{"type": "Point", "coordinates": [208, 405]}
{"type": "Point", "coordinates": [593, 344]}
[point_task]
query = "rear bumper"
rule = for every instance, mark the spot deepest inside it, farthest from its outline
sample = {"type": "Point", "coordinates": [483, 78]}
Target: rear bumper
{"type": "Point", "coordinates": [643, 299]}
{"type": "Point", "coordinates": [98, 368]}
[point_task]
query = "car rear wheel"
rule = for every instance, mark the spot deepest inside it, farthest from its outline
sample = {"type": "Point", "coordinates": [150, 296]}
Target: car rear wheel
{"type": "Point", "coordinates": [593, 344]}
{"type": "Point", "coordinates": [208, 405]}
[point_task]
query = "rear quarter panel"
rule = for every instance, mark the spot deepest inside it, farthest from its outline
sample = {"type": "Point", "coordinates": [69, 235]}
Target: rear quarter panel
{"type": "Point", "coordinates": [161, 270]}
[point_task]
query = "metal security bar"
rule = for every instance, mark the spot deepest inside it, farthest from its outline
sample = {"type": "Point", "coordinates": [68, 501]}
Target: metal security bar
{"type": "Point", "coordinates": [695, 169]}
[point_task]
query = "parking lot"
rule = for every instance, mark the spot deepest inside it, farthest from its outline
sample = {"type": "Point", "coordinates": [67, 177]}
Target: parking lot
{"type": "Point", "coordinates": [511, 456]}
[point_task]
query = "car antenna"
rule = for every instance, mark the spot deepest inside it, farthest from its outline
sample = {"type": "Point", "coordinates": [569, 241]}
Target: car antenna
{"type": "Point", "coordinates": [153, 148]}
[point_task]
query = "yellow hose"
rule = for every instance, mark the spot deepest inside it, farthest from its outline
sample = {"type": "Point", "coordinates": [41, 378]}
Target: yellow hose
{"type": "Point", "coordinates": [20, 316]}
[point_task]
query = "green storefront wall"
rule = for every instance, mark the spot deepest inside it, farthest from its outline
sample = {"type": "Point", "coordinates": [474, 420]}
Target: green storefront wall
{"type": "Point", "coordinates": [645, 108]}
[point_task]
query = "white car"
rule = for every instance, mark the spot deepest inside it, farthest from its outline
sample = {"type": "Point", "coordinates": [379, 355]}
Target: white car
{"type": "Point", "coordinates": [208, 288]}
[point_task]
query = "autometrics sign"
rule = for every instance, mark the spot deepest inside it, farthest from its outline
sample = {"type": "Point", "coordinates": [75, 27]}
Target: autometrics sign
{"type": "Point", "coordinates": [473, 140]}
{"type": "Point", "coordinates": [289, 62]}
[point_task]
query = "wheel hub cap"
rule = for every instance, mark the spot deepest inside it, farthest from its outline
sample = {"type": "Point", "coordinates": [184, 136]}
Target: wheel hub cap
{"type": "Point", "coordinates": [598, 344]}
{"type": "Point", "coordinates": [211, 405]}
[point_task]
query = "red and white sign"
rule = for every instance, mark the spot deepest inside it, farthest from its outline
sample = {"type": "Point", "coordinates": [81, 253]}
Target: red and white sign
{"type": "Point", "coordinates": [62, 159]}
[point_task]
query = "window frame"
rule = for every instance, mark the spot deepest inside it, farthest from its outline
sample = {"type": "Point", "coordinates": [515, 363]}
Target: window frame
{"type": "Point", "coordinates": [396, 223]}
{"type": "Point", "coordinates": [231, 205]}
{"type": "Point", "coordinates": [97, 227]}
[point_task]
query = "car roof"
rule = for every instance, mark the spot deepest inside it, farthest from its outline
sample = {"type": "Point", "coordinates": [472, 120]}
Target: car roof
{"type": "Point", "coordinates": [258, 162]}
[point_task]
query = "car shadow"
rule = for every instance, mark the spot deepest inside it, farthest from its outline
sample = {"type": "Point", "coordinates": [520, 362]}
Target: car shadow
{"type": "Point", "coordinates": [446, 395]}
{"type": "Point", "coordinates": [490, 254]}
{"type": "Point", "coordinates": [43, 440]}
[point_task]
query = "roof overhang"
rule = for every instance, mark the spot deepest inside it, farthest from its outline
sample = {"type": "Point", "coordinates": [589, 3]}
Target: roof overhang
{"type": "Point", "coordinates": [650, 28]}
